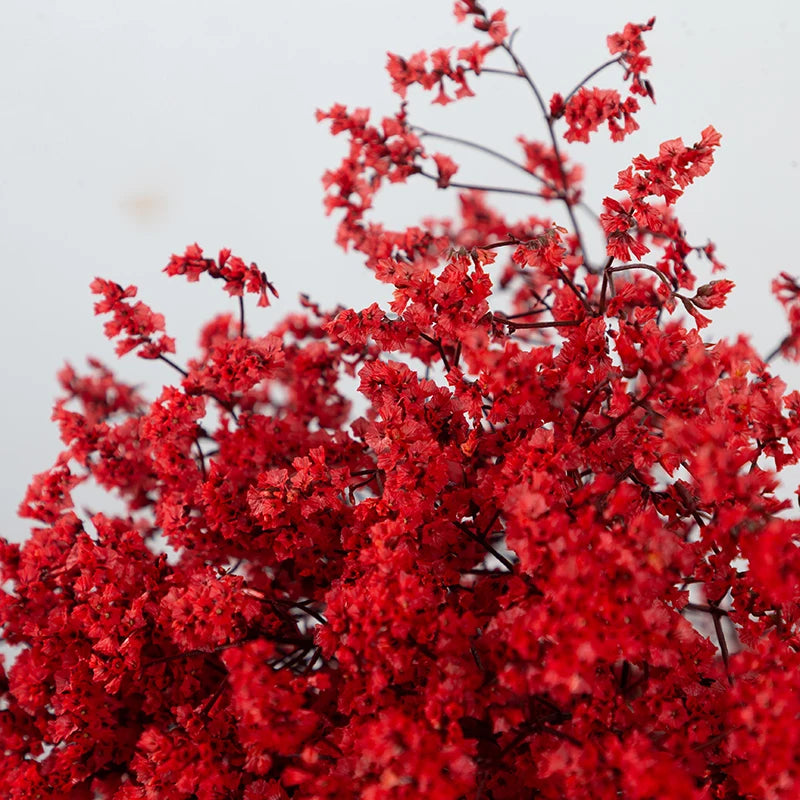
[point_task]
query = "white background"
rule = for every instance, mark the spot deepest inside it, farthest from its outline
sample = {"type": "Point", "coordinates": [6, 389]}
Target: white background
{"type": "Point", "coordinates": [129, 130]}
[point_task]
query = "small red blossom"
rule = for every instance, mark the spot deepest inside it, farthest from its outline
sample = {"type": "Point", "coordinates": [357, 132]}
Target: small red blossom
{"type": "Point", "coordinates": [446, 168]}
{"type": "Point", "coordinates": [555, 172]}
{"type": "Point", "coordinates": [545, 251]}
{"type": "Point", "coordinates": [587, 110]}
{"type": "Point", "coordinates": [712, 295]}
{"type": "Point", "coordinates": [414, 70]}
{"type": "Point", "coordinates": [493, 23]}
{"type": "Point", "coordinates": [557, 106]}
{"type": "Point", "coordinates": [630, 45]}
{"type": "Point", "coordinates": [787, 290]}
{"type": "Point", "coordinates": [136, 321]}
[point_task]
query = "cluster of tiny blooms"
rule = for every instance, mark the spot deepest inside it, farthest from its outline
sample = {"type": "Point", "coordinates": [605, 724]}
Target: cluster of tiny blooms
{"type": "Point", "coordinates": [546, 554]}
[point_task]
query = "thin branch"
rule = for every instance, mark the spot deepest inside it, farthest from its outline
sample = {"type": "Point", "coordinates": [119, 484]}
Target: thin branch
{"type": "Point", "coordinates": [194, 653]}
{"type": "Point", "coordinates": [561, 735]}
{"type": "Point", "coordinates": [577, 292]}
{"type": "Point", "coordinates": [302, 606]}
{"type": "Point", "coordinates": [488, 529]}
{"type": "Point", "coordinates": [488, 150]}
{"type": "Point", "coordinates": [639, 265]}
{"type": "Point", "coordinates": [616, 421]}
{"type": "Point", "coordinates": [202, 459]}
{"type": "Point", "coordinates": [608, 269]}
{"type": "Point", "coordinates": [723, 645]}
{"type": "Point", "coordinates": [475, 538]}
{"type": "Point", "coordinates": [776, 351]}
{"type": "Point", "coordinates": [605, 285]}
{"type": "Point", "coordinates": [532, 313]}
{"type": "Point", "coordinates": [227, 406]}
{"type": "Point", "coordinates": [490, 573]}
{"type": "Point", "coordinates": [556, 323]}
{"type": "Point", "coordinates": [494, 71]}
{"type": "Point", "coordinates": [174, 366]}
{"type": "Point", "coordinates": [588, 404]}
{"type": "Point", "coordinates": [438, 344]}
{"type": "Point", "coordinates": [504, 243]}
{"type": "Point", "coordinates": [554, 141]}
{"type": "Point", "coordinates": [591, 75]}
{"type": "Point", "coordinates": [713, 610]}
{"type": "Point", "coordinates": [720, 737]}
{"type": "Point", "coordinates": [557, 193]}
{"type": "Point", "coordinates": [563, 275]}
{"type": "Point", "coordinates": [480, 188]}
{"type": "Point", "coordinates": [214, 697]}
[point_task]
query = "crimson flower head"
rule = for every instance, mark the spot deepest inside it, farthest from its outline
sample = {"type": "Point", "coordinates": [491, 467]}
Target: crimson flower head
{"type": "Point", "coordinates": [446, 167]}
{"type": "Point", "coordinates": [238, 277]}
{"type": "Point", "coordinates": [712, 295]}
{"type": "Point", "coordinates": [136, 322]}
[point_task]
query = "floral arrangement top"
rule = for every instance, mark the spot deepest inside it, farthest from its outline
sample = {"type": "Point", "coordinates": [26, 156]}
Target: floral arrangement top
{"type": "Point", "coordinates": [548, 560]}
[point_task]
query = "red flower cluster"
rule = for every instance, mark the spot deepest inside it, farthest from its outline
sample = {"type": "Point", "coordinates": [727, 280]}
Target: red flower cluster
{"type": "Point", "coordinates": [405, 73]}
{"type": "Point", "coordinates": [552, 170]}
{"type": "Point", "coordinates": [545, 555]}
{"type": "Point", "coordinates": [585, 110]}
{"type": "Point", "coordinates": [588, 109]}
{"type": "Point", "coordinates": [137, 320]}
{"type": "Point", "coordinates": [787, 290]}
{"type": "Point", "coordinates": [666, 176]}
{"type": "Point", "coordinates": [630, 45]}
{"type": "Point", "coordinates": [415, 70]}
{"type": "Point", "coordinates": [238, 277]}
{"type": "Point", "coordinates": [494, 24]}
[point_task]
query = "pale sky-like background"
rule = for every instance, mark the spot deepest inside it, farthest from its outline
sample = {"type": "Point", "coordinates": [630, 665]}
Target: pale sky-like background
{"type": "Point", "coordinates": [129, 130]}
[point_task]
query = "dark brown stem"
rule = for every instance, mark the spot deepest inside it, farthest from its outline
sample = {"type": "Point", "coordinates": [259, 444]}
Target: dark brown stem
{"type": "Point", "coordinates": [488, 529]}
{"type": "Point", "coordinates": [584, 302]}
{"type": "Point", "coordinates": [174, 366]}
{"type": "Point", "coordinates": [438, 344]}
{"type": "Point", "coordinates": [532, 313]}
{"type": "Point", "coordinates": [227, 406]}
{"type": "Point", "coordinates": [303, 607]}
{"type": "Point", "coordinates": [723, 645]}
{"type": "Point", "coordinates": [561, 735]}
{"type": "Point", "coordinates": [713, 610]}
{"type": "Point", "coordinates": [616, 421]}
{"type": "Point", "coordinates": [289, 660]}
{"type": "Point", "coordinates": [504, 243]}
{"type": "Point", "coordinates": [484, 149]}
{"type": "Point", "coordinates": [480, 188]}
{"type": "Point", "coordinates": [214, 697]}
{"type": "Point", "coordinates": [776, 351]}
{"type": "Point", "coordinates": [563, 275]}
{"type": "Point", "coordinates": [481, 541]}
{"type": "Point", "coordinates": [604, 287]}
{"type": "Point", "coordinates": [493, 71]}
{"type": "Point", "coordinates": [193, 653]}
{"type": "Point", "coordinates": [201, 459]}
{"type": "Point", "coordinates": [720, 737]}
{"type": "Point", "coordinates": [650, 267]}
{"type": "Point", "coordinates": [588, 404]}
{"type": "Point", "coordinates": [554, 141]}
{"type": "Point", "coordinates": [591, 75]}
{"type": "Point", "coordinates": [565, 323]}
